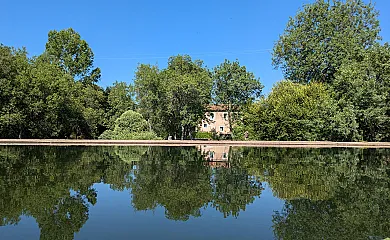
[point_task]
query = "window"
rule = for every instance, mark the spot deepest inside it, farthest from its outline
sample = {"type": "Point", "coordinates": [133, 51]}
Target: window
{"type": "Point", "coordinates": [205, 125]}
{"type": "Point", "coordinates": [225, 116]}
{"type": "Point", "coordinates": [221, 129]}
{"type": "Point", "coordinates": [211, 116]}
{"type": "Point", "coordinates": [224, 155]}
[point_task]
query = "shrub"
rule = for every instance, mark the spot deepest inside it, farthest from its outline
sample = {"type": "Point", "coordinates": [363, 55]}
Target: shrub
{"type": "Point", "coordinates": [203, 135]}
{"type": "Point", "coordinates": [129, 126]}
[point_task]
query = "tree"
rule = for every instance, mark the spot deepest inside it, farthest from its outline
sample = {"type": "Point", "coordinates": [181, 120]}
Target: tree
{"type": "Point", "coordinates": [293, 112]}
{"type": "Point", "coordinates": [150, 96]}
{"type": "Point", "coordinates": [93, 101]}
{"type": "Point", "coordinates": [119, 100]}
{"type": "Point", "coordinates": [363, 87]}
{"type": "Point", "coordinates": [13, 62]}
{"type": "Point", "coordinates": [73, 54]}
{"type": "Point", "coordinates": [173, 100]}
{"type": "Point", "coordinates": [188, 92]}
{"type": "Point", "coordinates": [322, 35]}
{"type": "Point", "coordinates": [234, 87]}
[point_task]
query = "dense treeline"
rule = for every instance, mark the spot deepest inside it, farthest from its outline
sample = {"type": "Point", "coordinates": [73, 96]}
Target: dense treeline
{"type": "Point", "coordinates": [175, 99]}
{"type": "Point", "coordinates": [337, 87]}
{"type": "Point", "coordinates": [338, 73]}
{"type": "Point", "coordinates": [55, 95]}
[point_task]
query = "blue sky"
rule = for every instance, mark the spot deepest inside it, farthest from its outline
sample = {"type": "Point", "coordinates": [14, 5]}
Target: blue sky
{"type": "Point", "coordinates": [123, 33]}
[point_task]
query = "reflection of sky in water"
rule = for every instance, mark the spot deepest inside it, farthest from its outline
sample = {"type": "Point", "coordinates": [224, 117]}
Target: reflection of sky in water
{"type": "Point", "coordinates": [113, 217]}
{"type": "Point", "coordinates": [331, 193]}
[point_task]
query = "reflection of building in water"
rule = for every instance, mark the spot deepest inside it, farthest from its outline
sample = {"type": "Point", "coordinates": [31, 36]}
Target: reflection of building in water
{"type": "Point", "coordinates": [216, 156]}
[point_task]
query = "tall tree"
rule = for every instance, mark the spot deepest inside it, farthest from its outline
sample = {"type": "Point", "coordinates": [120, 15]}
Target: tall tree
{"type": "Point", "coordinates": [234, 87]}
{"type": "Point", "coordinates": [150, 96]}
{"type": "Point", "coordinates": [318, 39]}
{"type": "Point", "coordinates": [188, 90]}
{"type": "Point", "coordinates": [364, 87]}
{"type": "Point", "coordinates": [173, 100]}
{"type": "Point", "coordinates": [119, 100]}
{"type": "Point", "coordinates": [73, 54]}
{"type": "Point", "coordinates": [13, 62]}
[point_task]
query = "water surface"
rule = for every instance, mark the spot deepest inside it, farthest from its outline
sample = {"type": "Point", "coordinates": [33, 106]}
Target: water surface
{"type": "Point", "coordinates": [194, 193]}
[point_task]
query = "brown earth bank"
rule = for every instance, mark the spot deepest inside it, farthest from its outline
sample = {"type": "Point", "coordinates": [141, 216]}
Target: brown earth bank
{"type": "Point", "coordinates": [294, 144]}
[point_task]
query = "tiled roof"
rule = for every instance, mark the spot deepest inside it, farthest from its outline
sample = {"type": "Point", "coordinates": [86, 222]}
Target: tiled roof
{"type": "Point", "coordinates": [217, 107]}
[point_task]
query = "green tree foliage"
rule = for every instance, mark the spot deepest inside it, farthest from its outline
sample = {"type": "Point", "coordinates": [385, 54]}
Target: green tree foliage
{"type": "Point", "coordinates": [13, 62]}
{"type": "Point", "coordinates": [362, 87]}
{"type": "Point", "coordinates": [322, 35]}
{"type": "Point", "coordinates": [173, 100]}
{"type": "Point", "coordinates": [93, 101]}
{"type": "Point", "coordinates": [234, 87]}
{"type": "Point", "coordinates": [292, 112]}
{"type": "Point", "coordinates": [119, 99]}
{"type": "Point", "coordinates": [129, 126]}
{"type": "Point", "coordinates": [42, 99]}
{"type": "Point", "coordinates": [150, 95]}
{"type": "Point", "coordinates": [75, 57]}
{"type": "Point", "coordinates": [334, 43]}
{"type": "Point", "coordinates": [73, 54]}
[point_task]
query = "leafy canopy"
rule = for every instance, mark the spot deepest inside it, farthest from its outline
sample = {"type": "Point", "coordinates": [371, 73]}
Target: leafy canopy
{"type": "Point", "coordinates": [322, 35]}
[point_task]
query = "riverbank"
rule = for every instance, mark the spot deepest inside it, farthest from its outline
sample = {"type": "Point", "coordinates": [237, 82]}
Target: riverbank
{"type": "Point", "coordinates": [294, 144]}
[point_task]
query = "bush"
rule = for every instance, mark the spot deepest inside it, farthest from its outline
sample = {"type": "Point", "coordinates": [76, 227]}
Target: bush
{"type": "Point", "coordinates": [129, 126]}
{"type": "Point", "coordinates": [132, 122]}
{"type": "Point", "coordinates": [136, 136]}
{"type": "Point", "coordinates": [108, 134]}
{"type": "Point", "coordinates": [203, 135]}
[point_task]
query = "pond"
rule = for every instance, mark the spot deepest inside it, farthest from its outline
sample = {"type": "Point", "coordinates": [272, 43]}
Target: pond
{"type": "Point", "coordinates": [205, 192]}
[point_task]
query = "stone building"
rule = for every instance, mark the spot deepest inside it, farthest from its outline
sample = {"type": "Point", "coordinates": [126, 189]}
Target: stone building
{"type": "Point", "coordinates": [216, 120]}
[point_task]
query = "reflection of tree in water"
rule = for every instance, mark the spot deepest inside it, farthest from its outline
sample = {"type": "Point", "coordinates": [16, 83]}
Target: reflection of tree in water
{"type": "Point", "coordinates": [233, 189]}
{"type": "Point", "coordinates": [62, 220]}
{"type": "Point", "coordinates": [54, 185]}
{"type": "Point", "coordinates": [174, 178]}
{"type": "Point", "coordinates": [178, 180]}
{"type": "Point", "coordinates": [329, 193]}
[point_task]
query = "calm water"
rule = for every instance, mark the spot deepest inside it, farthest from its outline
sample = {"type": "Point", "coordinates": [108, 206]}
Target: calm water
{"type": "Point", "coordinates": [179, 193]}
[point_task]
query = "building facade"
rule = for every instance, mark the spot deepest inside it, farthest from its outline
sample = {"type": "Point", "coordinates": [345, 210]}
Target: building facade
{"type": "Point", "coordinates": [216, 120]}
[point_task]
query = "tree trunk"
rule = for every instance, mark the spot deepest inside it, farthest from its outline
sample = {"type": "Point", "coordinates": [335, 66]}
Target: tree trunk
{"type": "Point", "coordinates": [150, 125]}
